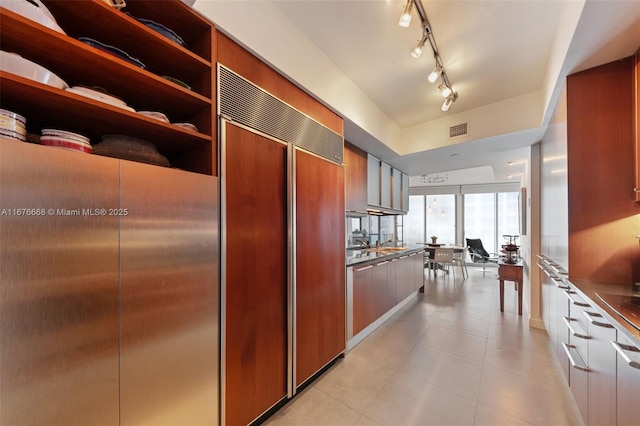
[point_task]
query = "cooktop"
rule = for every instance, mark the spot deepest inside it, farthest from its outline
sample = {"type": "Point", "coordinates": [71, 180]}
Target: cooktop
{"type": "Point", "coordinates": [628, 307]}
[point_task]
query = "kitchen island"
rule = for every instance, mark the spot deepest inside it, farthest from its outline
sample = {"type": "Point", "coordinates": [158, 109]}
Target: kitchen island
{"type": "Point", "coordinates": [379, 283]}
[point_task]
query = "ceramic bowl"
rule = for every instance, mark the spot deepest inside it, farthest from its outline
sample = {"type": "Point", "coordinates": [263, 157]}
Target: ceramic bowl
{"type": "Point", "coordinates": [16, 64]}
{"type": "Point", "coordinates": [66, 135]}
{"type": "Point", "coordinates": [65, 143]}
{"type": "Point", "coordinates": [33, 10]}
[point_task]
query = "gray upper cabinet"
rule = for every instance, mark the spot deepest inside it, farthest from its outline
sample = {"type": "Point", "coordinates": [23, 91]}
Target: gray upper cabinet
{"type": "Point", "coordinates": [396, 189]}
{"type": "Point", "coordinates": [385, 185]}
{"type": "Point", "coordinates": [405, 193]}
{"type": "Point", "coordinates": [373, 181]}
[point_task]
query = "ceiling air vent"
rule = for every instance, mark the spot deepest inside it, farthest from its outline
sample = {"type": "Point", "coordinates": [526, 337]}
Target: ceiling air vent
{"type": "Point", "coordinates": [458, 130]}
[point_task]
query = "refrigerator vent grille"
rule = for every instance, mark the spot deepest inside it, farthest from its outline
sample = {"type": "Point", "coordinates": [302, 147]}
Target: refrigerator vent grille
{"type": "Point", "coordinates": [246, 103]}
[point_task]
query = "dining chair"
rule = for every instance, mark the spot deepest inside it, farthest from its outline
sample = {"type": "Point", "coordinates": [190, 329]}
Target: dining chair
{"type": "Point", "coordinates": [460, 259]}
{"type": "Point", "coordinates": [442, 258]}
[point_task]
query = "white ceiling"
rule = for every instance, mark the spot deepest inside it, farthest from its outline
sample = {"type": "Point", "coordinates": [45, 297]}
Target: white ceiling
{"type": "Point", "coordinates": [507, 59]}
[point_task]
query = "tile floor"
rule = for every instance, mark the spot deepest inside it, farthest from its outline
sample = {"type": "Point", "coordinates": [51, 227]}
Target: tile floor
{"type": "Point", "coordinates": [449, 357]}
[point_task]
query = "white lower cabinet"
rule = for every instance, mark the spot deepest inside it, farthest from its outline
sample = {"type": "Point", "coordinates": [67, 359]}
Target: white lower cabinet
{"type": "Point", "coordinates": [627, 381]}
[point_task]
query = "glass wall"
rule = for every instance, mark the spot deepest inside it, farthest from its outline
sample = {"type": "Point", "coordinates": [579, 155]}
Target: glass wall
{"type": "Point", "coordinates": [414, 222]}
{"type": "Point", "coordinates": [441, 218]}
{"type": "Point", "coordinates": [487, 216]}
{"type": "Point", "coordinates": [480, 219]}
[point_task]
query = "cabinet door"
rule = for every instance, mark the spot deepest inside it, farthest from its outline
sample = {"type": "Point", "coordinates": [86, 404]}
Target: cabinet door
{"type": "Point", "coordinates": [602, 370]}
{"type": "Point", "coordinates": [59, 287]}
{"type": "Point", "coordinates": [362, 297]}
{"type": "Point", "coordinates": [636, 106]}
{"type": "Point", "coordinates": [396, 189]}
{"type": "Point", "coordinates": [320, 292]}
{"type": "Point", "coordinates": [628, 381]}
{"type": "Point", "coordinates": [169, 296]}
{"type": "Point", "coordinates": [355, 162]}
{"type": "Point", "coordinates": [385, 185]}
{"type": "Point", "coordinates": [418, 270]}
{"type": "Point", "coordinates": [391, 284]}
{"type": "Point", "coordinates": [373, 181]}
{"type": "Point", "coordinates": [405, 193]}
{"type": "Point", "coordinates": [255, 278]}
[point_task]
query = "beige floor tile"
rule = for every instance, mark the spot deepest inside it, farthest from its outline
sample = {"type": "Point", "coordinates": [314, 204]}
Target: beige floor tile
{"type": "Point", "coordinates": [526, 399]}
{"type": "Point", "coordinates": [441, 370]}
{"type": "Point", "coordinates": [454, 342]}
{"type": "Point", "coordinates": [401, 402]}
{"type": "Point", "coordinates": [355, 380]}
{"type": "Point", "coordinates": [313, 407]}
{"type": "Point", "coordinates": [488, 416]}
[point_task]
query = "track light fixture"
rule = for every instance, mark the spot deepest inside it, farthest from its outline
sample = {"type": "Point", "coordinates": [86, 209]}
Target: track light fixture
{"type": "Point", "coordinates": [439, 71]}
{"type": "Point", "coordinates": [405, 18]}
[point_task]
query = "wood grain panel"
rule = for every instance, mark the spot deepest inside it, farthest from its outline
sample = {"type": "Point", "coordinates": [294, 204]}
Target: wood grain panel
{"type": "Point", "coordinates": [320, 264]}
{"type": "Point", "coordinates": [241, 61]}
{"type": "Point", "coordinates": [362, 299]}
{"type": "Point", "coordinates": [355, 162]}
{"type": "Point", "coordinates": [380, 292]}
{"type": "Point", "coordinates": [603, 215]}
{"type": "Point", "coordinates": [636, 127]}
{"type": "Point", "coordinates": [256, 275]}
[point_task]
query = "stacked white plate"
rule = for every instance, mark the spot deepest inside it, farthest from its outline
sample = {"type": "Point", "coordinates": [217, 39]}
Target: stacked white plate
{"type": "Point", "coordinates": [34, 10]}
{"type": "Point", "coordinates": [16, 64]}
{"type": "Point", "coordinates": [64, 139]}
{"type": "Point", "coordinates": [98, 95]}
{"type": "Point", "coordinates": [12, 125]}
{"type": "Point", "coordinates": [154, 114]}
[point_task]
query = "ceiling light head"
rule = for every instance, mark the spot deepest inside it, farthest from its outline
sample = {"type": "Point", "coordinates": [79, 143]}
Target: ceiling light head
{"type": "Point", "coordinates": [445, 90]}
{"type": "Point", "coordinates": [434, 74]}
{"type": "Point", "coordinates": [448, 101]}
{"type": "Point", "coordinates": [405, 18]}
{"type": "Point", "coordinates": [417, 51]}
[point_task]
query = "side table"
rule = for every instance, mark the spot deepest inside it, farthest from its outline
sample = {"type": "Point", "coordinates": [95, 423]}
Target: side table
{"type": "Point", "coordinates": [510, 272]}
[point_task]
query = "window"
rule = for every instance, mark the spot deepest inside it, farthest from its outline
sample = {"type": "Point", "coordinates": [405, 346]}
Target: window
{"type": "Point", "coordinates": [480, 219]}
{"type": "Point", "coordinates": [414, 221]}
{"type": "Point", "coordinates": [441, 218]}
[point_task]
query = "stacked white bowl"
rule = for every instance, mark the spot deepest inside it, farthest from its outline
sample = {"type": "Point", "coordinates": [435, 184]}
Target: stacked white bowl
{"type": "Point", "coordinates": [12, 125]}
{"type": "Point", "coordinates": [65, 139]}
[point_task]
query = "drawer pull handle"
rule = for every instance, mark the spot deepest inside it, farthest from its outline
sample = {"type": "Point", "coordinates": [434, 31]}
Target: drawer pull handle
{"type": "Point", "coordinates": [572, 330]}
{"type": "Point", "coordinates": [567, 348]}
{"type": "Point", "coordinates": [591, 315]}
{"type": "Point", "coordinates": [575, 302]}
{"type": "Point", "coordinates": [382, 263]}
{"type": "Point", "coordinates": [621, 348]}
{"type": "Point", "coordinates": [364, 268]}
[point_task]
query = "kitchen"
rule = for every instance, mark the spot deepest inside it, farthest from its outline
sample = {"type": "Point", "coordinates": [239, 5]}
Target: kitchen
{"type": "Point", "coordinates": [197, 152]}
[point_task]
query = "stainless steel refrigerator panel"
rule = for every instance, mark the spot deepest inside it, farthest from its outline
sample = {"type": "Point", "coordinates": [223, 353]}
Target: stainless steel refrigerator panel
{"type": "Point", "coordinates": [169, 297]}
{"type": "Point", "coordinates": [58, 287]}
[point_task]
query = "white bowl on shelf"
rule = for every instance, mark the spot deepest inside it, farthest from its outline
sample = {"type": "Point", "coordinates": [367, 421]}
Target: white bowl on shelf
{"type": "Point", "coordinates": [16, 64]}
{"type": "Point", "coordinates": [33, 10]}
{"type": "Point", "coordinates": [65, 135]}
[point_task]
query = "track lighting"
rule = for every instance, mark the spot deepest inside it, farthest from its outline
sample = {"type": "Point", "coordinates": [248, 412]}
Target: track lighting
{"type": "Point", "coordinates": [405, 18]}
{"type": "Point", "coordinates": [439, 71]}
{"type": "Point", "coordinates": [417, 51]}
{"type": "Point", "coordinates": [434, 74]}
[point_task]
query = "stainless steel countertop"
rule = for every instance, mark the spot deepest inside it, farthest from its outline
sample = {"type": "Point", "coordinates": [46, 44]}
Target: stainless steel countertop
{"type": "Point", "coordinates": [359, 257]}
{"type": "Point", "coordinates": [590, 289]}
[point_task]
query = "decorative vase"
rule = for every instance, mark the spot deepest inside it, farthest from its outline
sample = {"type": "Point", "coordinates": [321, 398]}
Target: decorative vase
{"type": "Point", "coordinates": [434, 240]}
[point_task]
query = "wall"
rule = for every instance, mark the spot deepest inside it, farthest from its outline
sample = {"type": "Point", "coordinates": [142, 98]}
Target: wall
{"type": "Point", "coordinates": [554, 187]}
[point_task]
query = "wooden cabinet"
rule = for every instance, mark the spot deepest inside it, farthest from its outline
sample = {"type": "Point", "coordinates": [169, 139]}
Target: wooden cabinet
{"type": "Point", "coordinates": [362, 297]}
{"type": "Point", "coordinates": [355, 162]}
{"type": "Point", "coordinates": [636, 127]}
{"type": "Point", "coordinates": [255, 251]}
{"type": "Point", "coordinates": [320, 264]}
{"type": "Point", "coordinates": [142, 89]}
